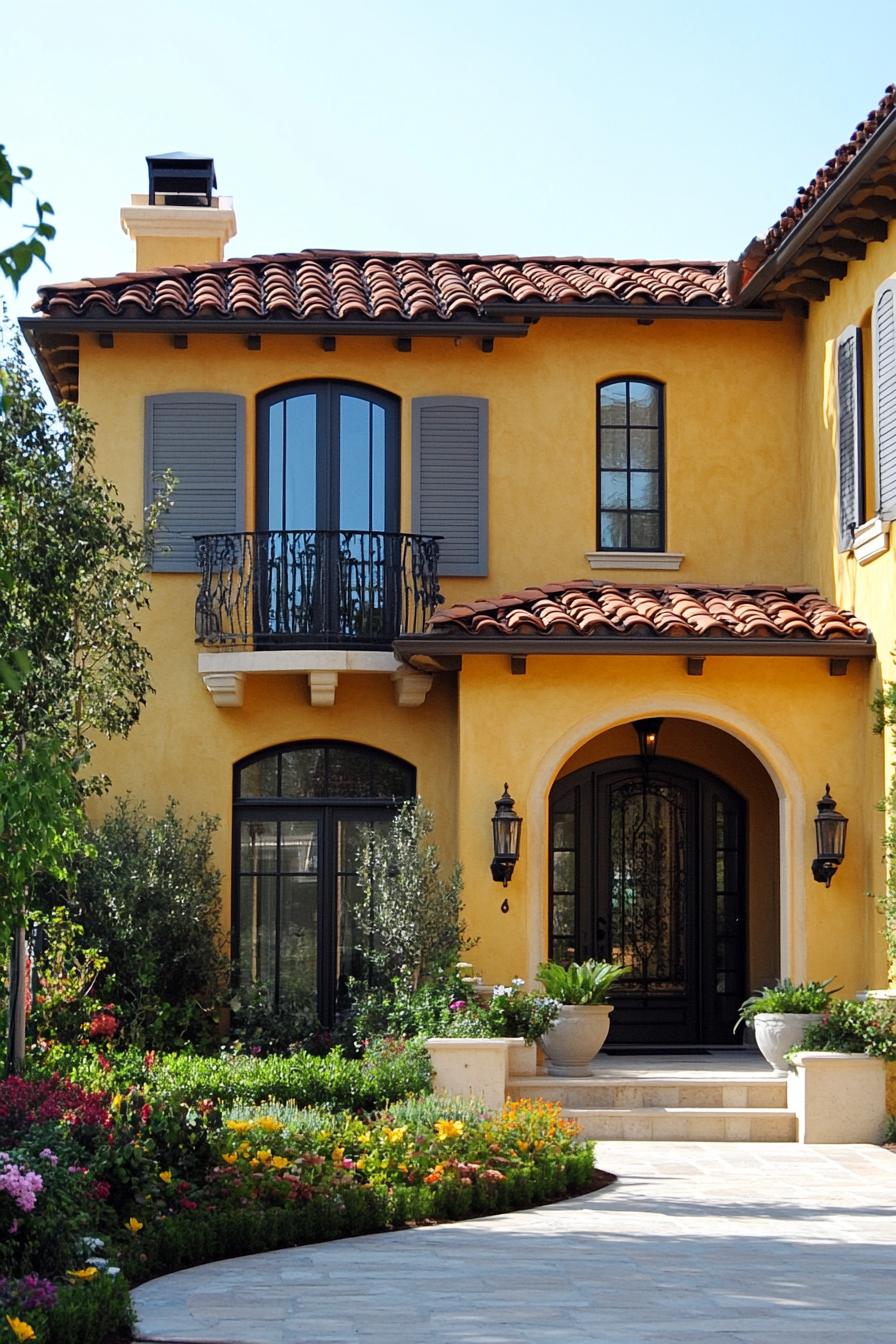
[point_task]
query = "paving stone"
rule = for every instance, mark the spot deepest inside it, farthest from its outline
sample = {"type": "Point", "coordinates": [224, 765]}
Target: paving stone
{"type": "Point", "coordinates": [735, 1243]}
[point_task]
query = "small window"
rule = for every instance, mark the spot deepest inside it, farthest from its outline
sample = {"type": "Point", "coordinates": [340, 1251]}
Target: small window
{"type": "Point", "coordinates": [850, 454]}
{"type": "Point", "coordinates": [631, 485]}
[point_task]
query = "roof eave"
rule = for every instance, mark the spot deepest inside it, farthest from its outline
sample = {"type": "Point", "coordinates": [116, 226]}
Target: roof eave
{"type": "Point", "coordinates": [434, 646]}
{"type": "Point", "coordinates": [880, 143]}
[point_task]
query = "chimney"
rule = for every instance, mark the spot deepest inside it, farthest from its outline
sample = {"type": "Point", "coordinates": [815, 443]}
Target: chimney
{"type": "Point", "coordinates": [179, 222]}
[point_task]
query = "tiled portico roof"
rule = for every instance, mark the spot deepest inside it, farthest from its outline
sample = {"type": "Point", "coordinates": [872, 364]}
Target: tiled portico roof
{"type": "Point", "coordinates": [317, 285]}
{"type": "Point", "coordinates": [607, 612]}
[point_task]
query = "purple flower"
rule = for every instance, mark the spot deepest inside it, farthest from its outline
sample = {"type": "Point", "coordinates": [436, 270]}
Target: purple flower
{"type": "Point", "coordinates": [49, 1155]}
{"type": "Point", "coordinates": [457, 1006]}
{"type": "Point", "coordinates": [23, 1187]}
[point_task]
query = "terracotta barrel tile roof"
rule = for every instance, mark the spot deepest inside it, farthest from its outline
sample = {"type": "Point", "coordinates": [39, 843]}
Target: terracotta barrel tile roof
{"type": "Point", "coordinates": [613, 611]}
{"type": "Point", "coordinates": [830, 171]}
{"type": "Point", "coordinates": [317, 284]}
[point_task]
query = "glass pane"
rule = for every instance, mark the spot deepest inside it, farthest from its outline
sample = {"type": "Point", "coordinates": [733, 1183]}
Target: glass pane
{"type": "Point", "coordinates": [348, 772]}
{"type": "Point", "coordinates": [564, 870]}
{"type": "Point", "coordinates": [276, 447]}
{"type": "Point", "coordinates": [391, 779]}
{"type": "Point", "coordinates": [612, 404]}
{"type": "Point", "coordinates": [258, 847]}
{"type": "Point", "coordinates": [613, 448]}
{"type": "Point", "coordinates": [300, 493]}
{"type": "Point", "coordinates": [645, 531]}
{"type": "Point", "coordinates": [353, 943]}
{"type": "Point", "coordinates": [378, 470]}
{"type": "Point", "coordinates": [564, 830]}
{"type": "Point", "coordinates": [613, 531]}
{"type": "Point", "coordinates": [258, 929]}
{"type": "Point", "coordinates": [613, 490]}
{"type": "Point", "coordinates": [564, 922]}
{"type": "Point", "coordinates": [303, 773]}
{"type": "Point", "coordinates": [355, 443]}
{"type": "Point", "coordinates": [645, 489]}
{"type": "Point", "coordinates": [259, 778]}
{"type": "Point", "coordinates": [643, 404]}
{"type": "Point", "coordinates": [298, 847]}
{"type": "Point", "coordinates": [298, 936]}
{"type": "Point", "coordinates": [648, 867]}
{"type": "Point", "coordinates": [645, 449]}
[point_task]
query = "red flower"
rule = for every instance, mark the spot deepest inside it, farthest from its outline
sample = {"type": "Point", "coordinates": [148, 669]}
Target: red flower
{"type": "Point", "coordinates": [103, 1063]}
{"type": "Point", "coordinates": [149, 1059]}
{"type": "Point", "coordinates": [103, 1026]}
{"type": "Point", "coordinates": [188, 1204]}
{"type": "Point", "coordinates": [101, 1190]}
{"type": "Point", "coordinates": [145, 1113]}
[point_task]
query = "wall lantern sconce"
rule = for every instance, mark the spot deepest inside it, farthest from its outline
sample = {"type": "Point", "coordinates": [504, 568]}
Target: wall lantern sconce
{"type": "Point", "coordinates": [830, 838]}
{"type": "Point", "coordinates": [648, 731]}
{"type": "Point", "coordinates": [506, 827]}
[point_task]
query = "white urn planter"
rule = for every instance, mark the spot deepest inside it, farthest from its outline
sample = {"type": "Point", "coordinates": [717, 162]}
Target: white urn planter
{"type": "Point", "coordinates": [575, 1038]}
{"type": "Point", "coordinates": [776, 1033]}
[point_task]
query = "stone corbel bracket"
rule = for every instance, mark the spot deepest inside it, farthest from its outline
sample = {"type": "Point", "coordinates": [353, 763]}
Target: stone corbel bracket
{"type": "Point", "coordinates": [225, 674]}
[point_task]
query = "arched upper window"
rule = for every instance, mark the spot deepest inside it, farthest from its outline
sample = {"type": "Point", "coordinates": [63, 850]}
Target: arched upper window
{"type": "Point", "coordinates": [327, 459]}
{"type": "Point", "coordinates": [630, 465]}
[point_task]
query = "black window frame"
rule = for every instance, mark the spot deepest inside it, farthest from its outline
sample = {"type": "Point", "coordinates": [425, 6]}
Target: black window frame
{"type": "Point", "coordinates": [327, 809]}
{"type": "Point", "coordinates": [628, 513]}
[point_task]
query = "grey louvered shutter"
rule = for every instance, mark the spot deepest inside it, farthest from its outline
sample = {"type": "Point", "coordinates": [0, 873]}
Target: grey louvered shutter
{"type": "Point", "coordinates": [450, 479]}
{"type": "Point", "coordinates": [850, 450]}
{"type": "Point", "coordinates": [885, 398]}
{"type": "Point", "coordinates": [200, 438]}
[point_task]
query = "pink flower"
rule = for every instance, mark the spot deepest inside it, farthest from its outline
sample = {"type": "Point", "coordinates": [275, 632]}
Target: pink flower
{"type": "Point", "coordinates": [457, 1006]}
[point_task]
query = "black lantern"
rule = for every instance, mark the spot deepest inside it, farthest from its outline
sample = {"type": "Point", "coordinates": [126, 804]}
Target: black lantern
{"type": "Point", "coordinates": [648, 731]}
{"type": "Point", "coordinates": [506, 826]}
{"type": "Point", "coordinates": [830, 838]}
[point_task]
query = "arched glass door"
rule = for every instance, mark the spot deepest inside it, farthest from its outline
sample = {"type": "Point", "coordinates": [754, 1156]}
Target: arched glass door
{"type": "Point", "coordinates": [299, 811]}
{"type": "Point", "coordinates": [327, 512]}
{"type": "Point", "coordinates": [648, 870]}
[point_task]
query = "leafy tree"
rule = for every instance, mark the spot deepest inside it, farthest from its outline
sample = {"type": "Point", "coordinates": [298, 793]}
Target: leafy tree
{"type": "Point", "coordinates": [72, 583]}
{"type": "Point", "coordinates": [16, 259]}
{"type": "Point", "coordinates": [410, 915]}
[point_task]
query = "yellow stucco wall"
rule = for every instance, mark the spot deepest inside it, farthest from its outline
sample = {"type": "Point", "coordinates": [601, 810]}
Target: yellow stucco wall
{"type": "Point", "coordinates": [866, 589]}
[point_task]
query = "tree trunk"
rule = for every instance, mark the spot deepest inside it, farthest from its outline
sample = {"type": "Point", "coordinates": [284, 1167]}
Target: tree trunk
{"type": "Point", "coordinates": [18, 971]}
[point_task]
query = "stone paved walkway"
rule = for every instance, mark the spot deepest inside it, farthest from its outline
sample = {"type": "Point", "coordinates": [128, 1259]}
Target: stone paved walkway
{"type": "Point", "coordinates": [696, 1242]}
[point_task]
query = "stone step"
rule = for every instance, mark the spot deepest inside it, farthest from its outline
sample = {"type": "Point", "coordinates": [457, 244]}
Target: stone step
{"type": "Point", "coordinates": [706, 1124]}
{"type": "Point", "coordinates": [633, 1094]}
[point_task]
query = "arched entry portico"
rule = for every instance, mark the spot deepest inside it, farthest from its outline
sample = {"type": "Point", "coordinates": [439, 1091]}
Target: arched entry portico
{"type": "Point", "coordinates": [785, 808]}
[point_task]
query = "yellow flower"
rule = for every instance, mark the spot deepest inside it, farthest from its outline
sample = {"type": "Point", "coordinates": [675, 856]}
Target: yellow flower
{"type": "Point", "coordinates": [279, 1162]}
{"type": "Point", "coordinates": [115, 1104]}
{"type": "Point", "coordinates": [165, 1176]}
{"type": "Point", "coordinates": [338, 1154]}
{"type": "Point", "coordinates": [263, 1155]}
{"type": "Point", "coordinates": [269, 1124]}
{"type": "Point", "coordinates": [90, 1272]}
{"type": "Point", "coordinates": [364, 1139]}
{"type": "Point", "coordinates": [239, 1126]}
{"type": "Point", "coordinates": [253, 1162]}
{"type": "Point", "coordinates": [449, 1129]}
{"type": "Point", "coordinates": [230, 1158]}
{"type": "Point", "coordinates": [245, 1147]}
{"type": "Point", "coordinates": [395, 1135]}
{"type": "Point", "coordinates": [133, 1225]}
{"type": "Point", "coordinates": [21, 1329]}
{"type": "Point", "coordinates": [361, 1162]}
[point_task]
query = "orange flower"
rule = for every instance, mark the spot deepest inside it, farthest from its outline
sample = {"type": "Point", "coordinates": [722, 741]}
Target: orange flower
{"type": "Point", "coordinates": [433, 1178]}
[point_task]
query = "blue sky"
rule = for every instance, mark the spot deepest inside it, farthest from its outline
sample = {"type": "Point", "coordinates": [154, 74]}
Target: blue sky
{"type": "Point", "coordinates": [642, 129]}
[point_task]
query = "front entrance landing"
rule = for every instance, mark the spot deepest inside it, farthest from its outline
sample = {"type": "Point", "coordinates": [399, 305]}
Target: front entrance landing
{"type": "Point", "coordinates": [738, 1243]}
{"type": "Point", "coordinates": [712, 1095]}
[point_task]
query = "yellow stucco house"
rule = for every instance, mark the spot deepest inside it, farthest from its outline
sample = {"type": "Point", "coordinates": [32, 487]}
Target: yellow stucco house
{"type": "Point", "coordinates": [444, 522]}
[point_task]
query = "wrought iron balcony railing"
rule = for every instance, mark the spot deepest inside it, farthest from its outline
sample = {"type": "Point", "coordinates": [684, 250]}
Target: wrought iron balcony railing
{"type": "Point", "coordinates": [314, 589]}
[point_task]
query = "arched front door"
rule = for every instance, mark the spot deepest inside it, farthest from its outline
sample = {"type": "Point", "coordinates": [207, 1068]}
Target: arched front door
{"type": "Point", "coordinates": [648, 869]}
{"type": "Point", "coordinates": [298, 814]}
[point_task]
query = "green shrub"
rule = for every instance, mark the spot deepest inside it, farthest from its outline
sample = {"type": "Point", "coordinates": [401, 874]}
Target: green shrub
{"type": "Point", "coordinates": [855, 1028]}
{"type": "Point", "coordinates": [148, 899]}
{"type": "Point", "coordinates": [91, 1312]}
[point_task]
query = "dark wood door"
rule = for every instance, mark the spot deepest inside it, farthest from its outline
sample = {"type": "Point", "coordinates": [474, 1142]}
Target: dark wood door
{"type": "Point", "coordinates": [648, 870]}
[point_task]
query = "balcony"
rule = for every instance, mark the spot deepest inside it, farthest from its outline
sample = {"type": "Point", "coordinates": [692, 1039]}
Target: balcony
{"type": "Point", "coordinates": [314, 590]}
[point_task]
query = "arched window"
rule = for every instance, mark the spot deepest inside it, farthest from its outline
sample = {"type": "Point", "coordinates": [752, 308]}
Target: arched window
{"type": "Point", "coordinates": [299, 810]}
{"type": "Point", "coordinates": [630, 466]}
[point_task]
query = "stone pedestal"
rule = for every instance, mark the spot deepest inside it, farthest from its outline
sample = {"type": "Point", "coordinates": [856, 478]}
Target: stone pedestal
{"type": "Point", "coordinates": [465, 1066]}
{"type": "Point", "coordinates": [838, 1098]}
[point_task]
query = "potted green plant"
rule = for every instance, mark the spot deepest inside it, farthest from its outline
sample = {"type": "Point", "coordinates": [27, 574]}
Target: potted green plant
{"type": "Point", "coordinates": [583, 1021]}
{"type": "Point", "coordinates": [779, 1014]}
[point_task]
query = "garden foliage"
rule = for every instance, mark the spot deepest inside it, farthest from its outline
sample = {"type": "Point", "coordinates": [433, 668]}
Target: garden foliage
{"type": "Point", "coordinates": [855, 1028]}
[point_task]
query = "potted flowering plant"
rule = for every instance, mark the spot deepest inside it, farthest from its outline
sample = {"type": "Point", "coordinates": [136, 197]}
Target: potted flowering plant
{"type": "Point", "coordinates": [583, 1019]}
{"type": "Point", "coordinates": [781, 1013]}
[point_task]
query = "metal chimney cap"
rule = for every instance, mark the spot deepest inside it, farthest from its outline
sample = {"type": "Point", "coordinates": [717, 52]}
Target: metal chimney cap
{"type": "Point", "coordinates": [187, 178]}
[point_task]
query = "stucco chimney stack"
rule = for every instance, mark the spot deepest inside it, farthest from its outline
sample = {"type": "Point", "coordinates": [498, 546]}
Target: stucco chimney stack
{"type": "Point", "coordinates": [180, 221]}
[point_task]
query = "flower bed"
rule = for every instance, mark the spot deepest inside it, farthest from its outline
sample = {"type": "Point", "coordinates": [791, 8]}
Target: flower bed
{"type": "Point", "coordinates": [186, 1168]}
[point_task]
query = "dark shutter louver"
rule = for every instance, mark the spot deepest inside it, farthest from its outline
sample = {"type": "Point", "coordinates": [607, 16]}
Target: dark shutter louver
{"type": "Point", "coordinates": [885, 398]}
{"type": "Point", "coordinates": [200, 438]}
{"type": "Point", "coordinates": [850, 453]}
{"type": "Point", "coordinates": [450, 479]}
